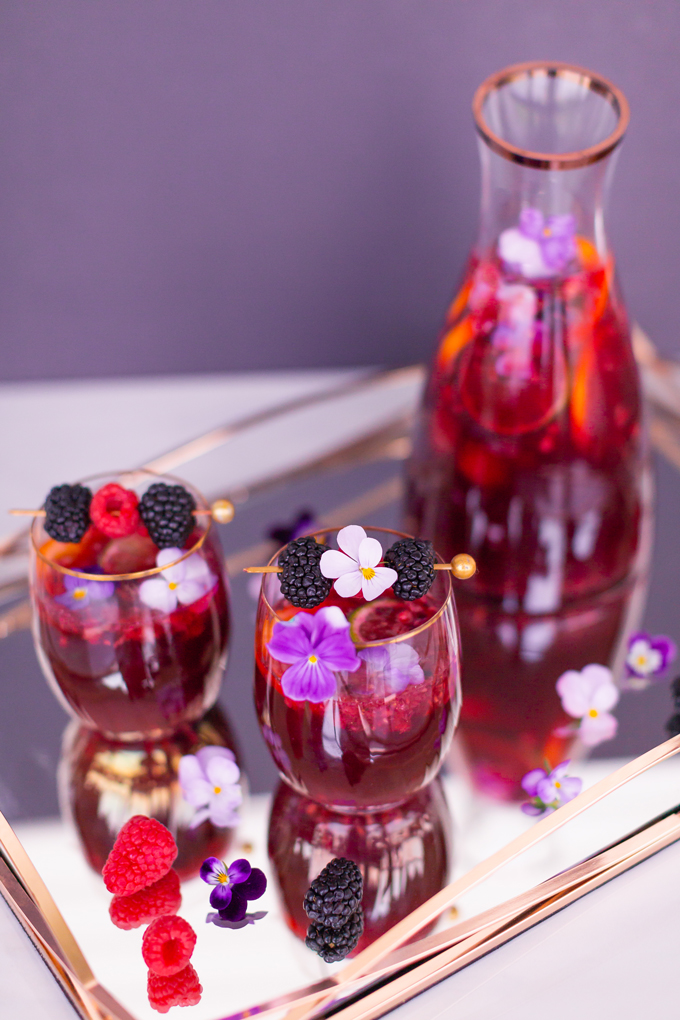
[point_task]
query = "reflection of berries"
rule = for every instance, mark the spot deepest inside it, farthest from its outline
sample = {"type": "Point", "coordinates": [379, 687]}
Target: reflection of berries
{"type": "Point", "coordinates": [335, 894]}
{"type": "Point", "coordinates": [413, 560]}
{"type": "Point", "coordinates": [114, 511]}
{"type": "Point", "coordinates": [143, 852]}
{"type": "Point", "coordinates": [168, 513]}
{"type": "Point", "coordinates": [163, 897]}
{"type": "Point", "coordinates": [673, 725]}
{"type": "Point", "coordinates": [182, 989]}
{"type": "Point", "coordinates": [168, 944]}
{"type": "Point", "coordinates": [67, 512]}
{"type": "Point", "coordinates": [302, 582]}
{"type": "Point", "coordinates": [334, 944]}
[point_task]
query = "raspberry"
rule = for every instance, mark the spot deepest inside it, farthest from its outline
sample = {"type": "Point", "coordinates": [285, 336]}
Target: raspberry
{"type": "Point", "coordinates": [182, 989]}
{"type": "Point", "coordinates": [335, 894]}
{"type": "Point", "coordinates": [67, 512]}
{"type": "Point", "coordinates": [143, 852]}
{"type": "Point", "coordinates": [163, 897]}
{"type": "Point", "coordinates": [168, 513]}
{"type": "Point", "coordinates": [114, 511]}
{"type": "Point", "coordinates": [302, 582]}
{"type": "Point", "coordinates": [168, 944]}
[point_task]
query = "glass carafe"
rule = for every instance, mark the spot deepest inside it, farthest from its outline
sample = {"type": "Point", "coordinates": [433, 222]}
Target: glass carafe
{"type": "Point", "coordinates": [529, 453]}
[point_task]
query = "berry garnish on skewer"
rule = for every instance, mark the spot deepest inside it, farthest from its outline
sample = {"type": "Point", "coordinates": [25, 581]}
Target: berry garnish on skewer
{"type": "Point", "coordinates": [114, 512]}
{"type": "Point", "coordinates": [302, 582]}
{"type": "Point", "coordinates": [413, 560]}
{"type": "Point", "coordinates": [168, 514]}
{"type": "Point", "coordinates": [67, 512]}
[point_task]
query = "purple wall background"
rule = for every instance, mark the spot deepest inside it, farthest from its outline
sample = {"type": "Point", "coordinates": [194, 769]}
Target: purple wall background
{"type": "Point", "coordinates": [225, 184]}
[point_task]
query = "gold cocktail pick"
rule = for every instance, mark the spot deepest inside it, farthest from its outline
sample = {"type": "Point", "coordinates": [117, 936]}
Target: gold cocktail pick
{"type": "Point", "coordinates": [461, 566]}
{"type": "Point", "coordinates": [221, 511]}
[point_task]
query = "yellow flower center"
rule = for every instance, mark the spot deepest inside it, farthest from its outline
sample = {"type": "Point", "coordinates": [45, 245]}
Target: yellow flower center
{"type": "Point", "coordinates": [557, 784]}
{"type": "Point", "coordinates": [368, 572]}
{"type": "Point", "coordinates": [172, 585]}
{"type": "Point", "coordinates": [79, 593]}
{"type": "Point", "coordinates": [222, 878]}
{"type": "Point", "coordinates": [593, 713]}
{"type": "Point", "coordinates": [641, 660]}
{"type": "Point", "coordinates": [547, 232]}
{"type": "Point", "coordinates": [217, 789]}
{"type": "Point", "coordinates": [313, 659]}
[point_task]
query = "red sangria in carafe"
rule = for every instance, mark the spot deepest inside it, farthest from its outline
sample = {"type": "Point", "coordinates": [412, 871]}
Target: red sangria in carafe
{"type": "Point", "coordinates": [529, 452]}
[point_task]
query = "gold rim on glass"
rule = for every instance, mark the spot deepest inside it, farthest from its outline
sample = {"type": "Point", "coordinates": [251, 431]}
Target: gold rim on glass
{"type": "Point", "coordinates": [139, 574]}
{"type": "Point", "coordinates": [552, 160]}
{"type": "Point", "coordinates": [384, 641]}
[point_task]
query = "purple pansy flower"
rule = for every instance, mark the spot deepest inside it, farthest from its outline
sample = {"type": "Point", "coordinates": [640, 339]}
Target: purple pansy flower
{"type": "Point", "coordinates": [233, 886]}
{"type": "Point", "coordinates": [395, 665]}
{"type": "Point", "coordinates": [316, 647]}
{"type": "Point", "coordinates": [549, 790]}
{"type": "Point", "coordinates": [588, 696]}
{"type": "Point", "coordinates": [649, 656]}
{"type": "Point", "coordinates": [538, 246]}
{"type": "Point", "coordinates": [81, 592]}
{"type": "Point", "coordinates": [210, 783]}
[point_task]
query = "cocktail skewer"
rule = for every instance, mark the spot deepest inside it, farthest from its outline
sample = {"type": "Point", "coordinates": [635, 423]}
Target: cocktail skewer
{"type": "Point", "coordinates": [462, 566]}
{"type": "Point", "coordinates": [222, 511]}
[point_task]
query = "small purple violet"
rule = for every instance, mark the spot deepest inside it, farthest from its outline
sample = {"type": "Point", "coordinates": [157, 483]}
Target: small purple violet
{"type": "Point", "coordinates": [538, 247]}
{"type": "Point", "coordinates": [233, 885]}
{"type": "Point", "coordinates": [395, 665]}
{"type": "Point", "coordinates": [649, 656]}
{"type": "Point", "coordinates": [549, 790]}
{"type": "Point", "coordinates": [210, 783]}
{"type": "Point", "coordinates": [316, 647]}
{"type": "Point", "coordinates": [80, 592]}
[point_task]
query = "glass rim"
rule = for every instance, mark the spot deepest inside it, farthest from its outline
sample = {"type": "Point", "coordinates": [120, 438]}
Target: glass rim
{"type": "Point", "coordinates": [547, 160]}
{"type": "Point", "coordinates": [138, 574]}
{"type": "Point", "coordinates": [384, 641]}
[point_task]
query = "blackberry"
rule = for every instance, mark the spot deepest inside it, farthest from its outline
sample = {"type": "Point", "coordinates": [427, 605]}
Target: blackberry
{"type": "Point", "coordinates": [673, 725]}
{"type": "Point", "coordinates": [675, 692]}
{"type": "Point", "coordinates": [335, 894]}
{"type": "Point", "coordinates": [413, 560]}
{"type": "Point", "coordinates": [302, 582]}
{"type": "Point", "coordinates": [167, 512]}
{"type": "Point", "coordinates": [333, 944]}
{"type": "Point", "coordinates": [67, 512]}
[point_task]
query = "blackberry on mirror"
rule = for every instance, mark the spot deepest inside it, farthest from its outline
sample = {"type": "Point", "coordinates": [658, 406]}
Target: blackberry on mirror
{"type": "Point", "coordinates": [413, 560]}
{"type": "Point", "coordinates": [673, 725]}
{"type": "Point", "coordinates": [335, 894]}
{"type": "Point", "coordinates": [67, 512]}
{"type": "Point", "coordinates": [167, 512]}
{"type": "Point", "coordinates": [302, 582]}
{"type": "Point", "coordinates": [333, 944]}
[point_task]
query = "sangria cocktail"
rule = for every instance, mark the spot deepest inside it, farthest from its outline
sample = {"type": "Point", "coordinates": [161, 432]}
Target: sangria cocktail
{"type": "Point", "coordinates": [130, 603]}
{"type": "Point", "coordinates": [358, 694]}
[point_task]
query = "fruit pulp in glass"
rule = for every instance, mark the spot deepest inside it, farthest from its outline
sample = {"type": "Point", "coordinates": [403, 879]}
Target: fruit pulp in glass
{"type": "Point", "coordinates": [529, 456]}
{"type": "Point", "coordinates": [372, 744]}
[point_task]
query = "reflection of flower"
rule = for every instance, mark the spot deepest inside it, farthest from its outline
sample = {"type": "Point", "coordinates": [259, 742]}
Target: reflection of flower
{"type": "Point", "coordinates": [396, 664]}
{"type": "Point", "coordinates": [356, 567]}
{"type": "Point", "coordinates": [514, 335]}
{"type": "Point", "coordinates": [186, 582]}
{"type": "Point", "coordinates": [315, 646]}
{"type": "Point", "coordinates": [649, 656]}
{"type": "Point", "coordinates": [538, 247]}
{"type": "Point", "coordinates": [588, 696]}
{"type": "Point", "coordinates": [210, 783]}
{"type": "Point", "coordinates": [300, 525]}
{"type": "Point", "coordinates": [549, 790]}
{"type": "Point", "coordinates": [233, 886]}
{"type": "Point", "coordinates": [80, 591]}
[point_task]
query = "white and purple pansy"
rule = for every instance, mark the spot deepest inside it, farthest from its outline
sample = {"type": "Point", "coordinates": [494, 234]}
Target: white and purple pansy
{"type": "Point", "coordinates": [549, 790]}
{"type": "Point", "coordinates": [181, 584]}
{"type": "Point", "coordinates": [587, 696]}
{"type": "Point", "coordinates": [395, 666]}
{"type": "Point", "coordinates": [209, 781]}
{"type": "Point", "coordinates": [80, 592]}
{"type": "Point", "coordinates": [234, 885]}
{"type": "Point", "coordinates": [649, 656]}
{"type": "Point", "coordinates": [355, 567]}
{"type": "Point", "coordinates": [538, 247]}
{"type": "Point", "coordinates": [316, 647]}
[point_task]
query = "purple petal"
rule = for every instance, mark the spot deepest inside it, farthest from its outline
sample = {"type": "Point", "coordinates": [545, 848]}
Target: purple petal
{"type": "Point", "coordinates": [337, 651]}
{"type": "Point", "coordinates": [212, 751]}
{"type": "Point", "coordinates": [239, 871]}
{"type": "Point", "coordinates": [545, 791]}
{"type": "Point", "coordinates": [307, 681]}
{"type": "Point", "coordinates": [666, 648]}
{"type": "Point", "coordinates": [531, 780]}
{"type": "Point", "coordinates": [236, 909]}
{"type": "Point", "coordinates": [254, 886]}
{"type": "Point", "coordinates": [562, 226]}
{"type": "Point", "coordinates": [532, 809]}
{"type": "Point", "coordinates": [560, 769]}
{"type": "Point", "coordinates": [531, 223]}
{"type": "Point", "coordinates": [571, 787]}
{"type": "Point", "coordinates": [221, 895]}
{"type": "Point", "coordinates": [189, 770]}
{"type": "Point", "coordinates": [211, 868]}
{"type": "Point", "coordinates": [200, 816]}
{"type": "Point", "coordinates": [290, 642]}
